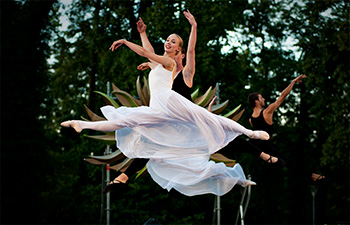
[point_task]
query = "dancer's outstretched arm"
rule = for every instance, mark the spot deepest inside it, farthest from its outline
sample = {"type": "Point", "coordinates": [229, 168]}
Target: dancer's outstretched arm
{"type": "Point", "coordinates": [272, 107]}
{"type": "Point", "coordinates": [268, 112]}
{"type": "Point", "coordinates": [141, 27]}
{"type": "Point", "coordinates": [166, 61]}
{"type": "Point", "coordinates": [189, 70]}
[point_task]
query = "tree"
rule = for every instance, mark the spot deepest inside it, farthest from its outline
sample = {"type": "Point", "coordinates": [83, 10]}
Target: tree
{"type": "Point", "coordinates": [25, 33]}
{"type": "Point", "coordinates": [324, 38]}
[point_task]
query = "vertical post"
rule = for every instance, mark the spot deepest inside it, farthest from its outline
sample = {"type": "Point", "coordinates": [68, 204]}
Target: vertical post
{"type": "Point", "coordinates": [217, 208]}
{"type": "Point", "coordinates": [108, 194]}
{"type": "Point", "coordinates": [108, 151]}
{"type": "Point", "coordinates": [102, 197]}
{"type": "Point", "coordinates": [242, 210]}
{"type": "Point", "coordinates": [217, 93]}
{"type": "Point", "coordinates": [242, 215]}
{"type": "Point", "coordinates": [313, 193]}
{"type": "Point", "coordinates": [218, 218]}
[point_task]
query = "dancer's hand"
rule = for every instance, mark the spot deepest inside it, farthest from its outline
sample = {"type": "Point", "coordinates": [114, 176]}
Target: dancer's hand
{"type": "Point", "coordinates": [190, 18]}
{"type": "Point", "coordinates": [143, 66]}
{"type": "Point", "coordinates": [212, 103]}
{"type": "Point", "coordinates": [298, 79]}
{"type": "Point", "coordinates": [141, 26]}
{"type": "Point", "coordinates": [116, 44]}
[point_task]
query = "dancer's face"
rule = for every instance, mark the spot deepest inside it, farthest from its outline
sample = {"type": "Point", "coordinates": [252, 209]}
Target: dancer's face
{"type": "Point", "coordinates": [261, 100]}
{"type": "Point", "coordinates": [171, 44]}
{"type": "Point", "coordinates": [179, 57]}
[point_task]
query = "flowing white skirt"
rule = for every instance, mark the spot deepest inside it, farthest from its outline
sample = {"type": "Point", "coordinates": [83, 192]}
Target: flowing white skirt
{"type": "Point", "coordinates": [178, 137]}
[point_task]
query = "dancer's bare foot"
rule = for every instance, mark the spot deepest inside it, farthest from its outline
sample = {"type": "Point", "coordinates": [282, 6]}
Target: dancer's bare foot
{"type": "Point", "coordinates": [268, 158]}
{"type": "Point", "coordinates": [272, 159]}
{"type": "Point", "coordinates": [118, 184]}
{"type": "Point", "coordinates": [72, 123]}
{"type": "Point", "coordinates": [248, 183]}
{"type": "Point", "coordinates": [122, 178]}
{"type": "Point", "coordinates": [317, 177]}
{"type": "Point", "coordinates": [259, 134]}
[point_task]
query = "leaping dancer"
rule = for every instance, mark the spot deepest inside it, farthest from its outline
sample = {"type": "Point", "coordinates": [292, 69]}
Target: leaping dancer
{"type": "Point", "coordinates": [177, 135]}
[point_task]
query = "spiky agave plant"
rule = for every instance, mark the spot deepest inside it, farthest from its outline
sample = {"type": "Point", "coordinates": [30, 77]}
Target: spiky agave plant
{"type": "Point", "coordinates": [143, 93]}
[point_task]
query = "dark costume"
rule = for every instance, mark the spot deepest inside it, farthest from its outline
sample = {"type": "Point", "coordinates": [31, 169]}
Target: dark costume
{"type": "Point", "coordinates": [259, 123]}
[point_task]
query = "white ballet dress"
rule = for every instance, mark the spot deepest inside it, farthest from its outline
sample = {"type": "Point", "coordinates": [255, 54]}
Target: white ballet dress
{"type": "Point", "coordinates": [178, 137]}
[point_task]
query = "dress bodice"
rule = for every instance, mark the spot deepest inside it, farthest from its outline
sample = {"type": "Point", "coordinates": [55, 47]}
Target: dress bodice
{"type": "Point", "coordinates": [160, 79]}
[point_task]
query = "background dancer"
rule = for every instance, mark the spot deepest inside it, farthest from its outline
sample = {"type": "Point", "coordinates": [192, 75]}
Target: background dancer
{"type": "Point", "coordinates": [262, 119]}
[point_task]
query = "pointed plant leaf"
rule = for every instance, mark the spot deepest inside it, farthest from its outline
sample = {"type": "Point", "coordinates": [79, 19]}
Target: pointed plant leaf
{"type": "Point", "coordinates": [110, 158]}
{"type": "Point", "coordinates": [139, 91]}
{"type": "Point", "coordinates": [195, 94]}
{"type": "Point", "coordinates": [108, 99]}
{"type": "Point", "coordinates": [120, 167]}
{"type": "Point", "coordinates": [94, 161]}
{"type": "Point", "coordinates": [125, 98]}
{"type": "Point", "coordinates": [203, 99]}
{"type": "Point", "coordinates": [145, 91]}
{"type": "Point", "coordinates": [230, 164]}
{"type": "Point", "coordinates": [217, 157]}
{"type": "Point", "coordinates": [210, 97]}
{"type": "Point", "coordinates": [92, 115]}
{"type": "Point", "coordinates": [231, 113]}
{"type": "Point", "coordinates": [141, 172]}
{"type": "Point", "coordinates": [108, 139]}
{"type": "Point", "coordinates": [123, 165]}
{"type": "Point", "coordinates": [237, 116]}
{"type": "Point", "coordinates": [217, 109]}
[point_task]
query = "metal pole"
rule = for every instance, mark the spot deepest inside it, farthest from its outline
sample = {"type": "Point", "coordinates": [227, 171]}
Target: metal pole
{"type": "Point", "coordinates": [242, 215]}
{"type": "Point", "coordinates": [242, 210]}
{"type": "Point", "coordinates": [313, 193]}
{"type": "Point", "coordinates": [217, 93]}
{"type": "Point", "coordinates": [108, 194]}
{"type": "Point", "coordinates": [102, 197]}
{"type": "Point", "coordinates": [218, 218]}
{"type": "Point", "coordinates": [248, 197]}
{"type": "Point", "coordinates": [217, 208]}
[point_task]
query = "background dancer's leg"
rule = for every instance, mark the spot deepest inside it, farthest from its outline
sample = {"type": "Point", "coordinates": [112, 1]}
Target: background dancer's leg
{"type": "Point", "coordinates": [240, 145]}
{"type": "Point", "coordinates": [268, 148]}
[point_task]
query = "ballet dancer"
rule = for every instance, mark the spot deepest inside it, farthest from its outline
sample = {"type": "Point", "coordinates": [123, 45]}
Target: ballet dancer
{"type": "Point", "coordinates": [177, 135]}
{"type": "Point", "coordinates": [261, 119]}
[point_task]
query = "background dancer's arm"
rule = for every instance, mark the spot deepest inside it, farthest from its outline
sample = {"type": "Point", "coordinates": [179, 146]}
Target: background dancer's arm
{"type": "Point", "coordinates": [272, 107]}
{"type": "Point", "coordinates": [166, 61]}
{"type": "Point", "coordinates": [189, 69]}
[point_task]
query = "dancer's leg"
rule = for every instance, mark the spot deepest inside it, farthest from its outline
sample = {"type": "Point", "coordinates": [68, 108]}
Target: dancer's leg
{"type": "Point", "coordinates": [243, 146]}
{"type": "Point", "coordinates": [266, 146]}
{"type": "Point", "coordinates": [80, 125]}
{"type": "Point", "coordinates": [233, 125]}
